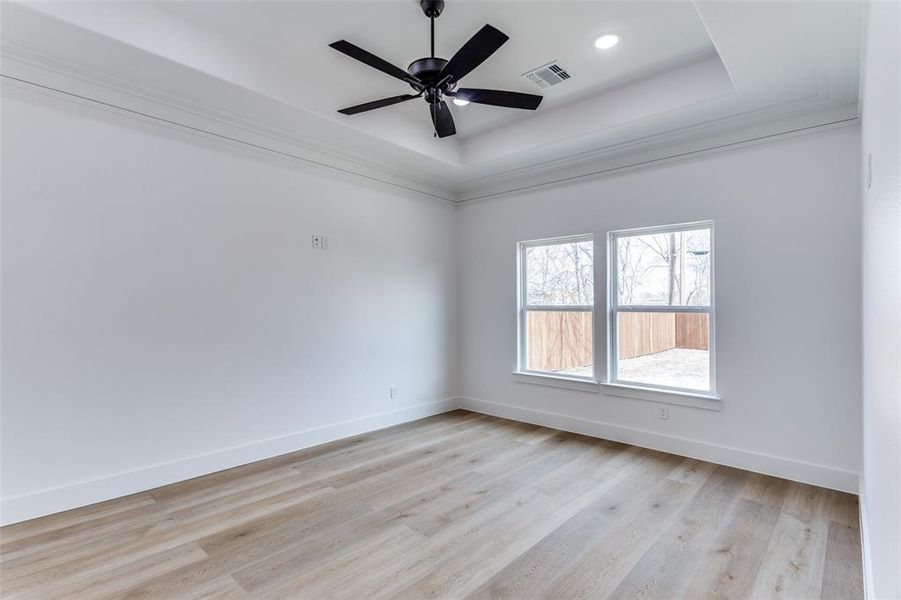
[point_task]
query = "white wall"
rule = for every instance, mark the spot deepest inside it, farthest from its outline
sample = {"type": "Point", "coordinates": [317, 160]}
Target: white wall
{"type": "Point", "coordinates": [787, 218]}
{"type": "Point", "coordinates": [164, 314]}
{"type": "Point", "coordinates": [881, 139]}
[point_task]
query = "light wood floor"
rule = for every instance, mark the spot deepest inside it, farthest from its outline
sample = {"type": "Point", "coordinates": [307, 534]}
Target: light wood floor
{"type": "Point", "coordinates": [459, 505]}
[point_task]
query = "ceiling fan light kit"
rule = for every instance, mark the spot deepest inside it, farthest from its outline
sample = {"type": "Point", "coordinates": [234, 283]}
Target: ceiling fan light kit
{"type": "Point", "coordinates": [434, 78]}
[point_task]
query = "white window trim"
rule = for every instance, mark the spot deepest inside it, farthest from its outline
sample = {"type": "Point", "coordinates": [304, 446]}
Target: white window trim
{"type": "Point", "coordinates": [521, 373]}
{"type": "Point", "coordinates": [642, 391]}
{"type": "Point", "coordinates": [558, 381]}
{"type": "Point", "coordinates": [662, 396]}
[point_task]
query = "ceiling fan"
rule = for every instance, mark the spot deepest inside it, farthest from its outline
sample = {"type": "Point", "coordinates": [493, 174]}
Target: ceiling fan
{"type": "Point", "coordinates": [433, 78]}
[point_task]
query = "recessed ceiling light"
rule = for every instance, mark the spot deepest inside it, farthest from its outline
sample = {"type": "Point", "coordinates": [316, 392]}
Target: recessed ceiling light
{"type": "Point", "coordinates": [605, 42]}
{"type": "Point", "coordinates": [460, 102]}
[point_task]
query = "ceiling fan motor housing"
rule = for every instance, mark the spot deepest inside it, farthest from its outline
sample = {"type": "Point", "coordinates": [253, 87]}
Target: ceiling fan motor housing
{"type": "Point", "coordinates": [427, 69]}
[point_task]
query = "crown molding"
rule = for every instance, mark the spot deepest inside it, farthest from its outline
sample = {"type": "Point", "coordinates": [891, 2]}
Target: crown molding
{"type": "Point", "coordinates": [24, 68]}
{"type": "Point", "coordinates": [822, 108]}
{"type": "Point", "coordinates": [722, 135]}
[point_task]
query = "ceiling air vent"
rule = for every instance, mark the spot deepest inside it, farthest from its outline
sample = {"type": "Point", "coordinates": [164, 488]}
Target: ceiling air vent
{"type": "Point", "coordinates": [547, 75]}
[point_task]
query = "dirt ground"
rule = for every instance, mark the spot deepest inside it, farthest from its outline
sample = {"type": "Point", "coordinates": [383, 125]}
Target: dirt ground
{"type": "Point", "coordinates": [674, 368]}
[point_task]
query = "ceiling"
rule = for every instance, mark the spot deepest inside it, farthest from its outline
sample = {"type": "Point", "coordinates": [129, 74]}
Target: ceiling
{"type": "Point", "coordinates": [264, 69]}
{"type": "Point", "coordinates": [291, 40]}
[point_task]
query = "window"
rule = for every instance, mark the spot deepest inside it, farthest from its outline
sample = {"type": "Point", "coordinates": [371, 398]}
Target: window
{"type": "Point", "coordinates": [661, 308]}
{"type": "Point", "coordinates": [556, 307]}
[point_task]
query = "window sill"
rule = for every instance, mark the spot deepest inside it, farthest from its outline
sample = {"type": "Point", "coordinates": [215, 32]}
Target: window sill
{"type": "Point", "coordinates": [567, 383]}
{"type": "Point", "coordinates": [637, 392]}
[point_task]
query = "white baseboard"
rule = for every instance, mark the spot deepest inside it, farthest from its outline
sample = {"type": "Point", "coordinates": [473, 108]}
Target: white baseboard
{"type": "Point", "coordinates": [804, 472]}
{"type": "Point", "coordinates": [45, 502]}
{"type": "Point", "coordinates": [869, 593]}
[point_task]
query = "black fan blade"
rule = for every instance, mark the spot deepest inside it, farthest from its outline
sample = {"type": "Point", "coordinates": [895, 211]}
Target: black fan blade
{"type": "Point", "coordinates": [473, 53]}
{"type": "Point", "coordinates": [442, 119]}
{"type": "Point", "coordinates": [500, 98]}
{"type": "Point", "coordinates": [352, 110]}
{"type": "Point", "coordinates": [371, 59]}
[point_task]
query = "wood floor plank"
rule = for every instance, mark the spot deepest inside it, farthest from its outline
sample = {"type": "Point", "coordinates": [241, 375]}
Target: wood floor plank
{"type": "Point", "coordinates": [521, 526]}
{"type": "Point", "coordinates": [222, 588]}
{"type": "Point", "coordinates": [766, 490]}
{"type": "Point", "coordinates": [692, 472]}
{"type": "Point", "coordinates": [730, 565]}
{"type": "Point", "coordinates": [795, 557]}
{"type": "Point", "coordinates": [152, 536]}
{"type": "Point", "coordinates": [457, 505]}
{"type": "Point", "coordinates": [497, 489]}
{"type": "Point", "coordinates": [639, 551]}
{"type": "Point", "coordinates": [117, 578]}
{"type": "Point", "coordinates": [429, 428]}
{"type": "Point", "coordinates": [662, 570]}
{"type": "Point", "coordinates": [58, 523]}
{"type": "Point", "coordinates": [842, 578]}
{"type": "Point", "coordinates": [841, 508]}
{"type": "Point", "coordinates": [533, 573]}
{"type": "Point", "coordinates": [472, 529]}
{"type": "Point", "coordinates": [610, 558]}
{"type": "Point", "coordinates": [337, 574]}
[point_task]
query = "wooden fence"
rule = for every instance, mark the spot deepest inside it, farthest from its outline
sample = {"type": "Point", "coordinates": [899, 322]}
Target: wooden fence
{"type": "Point", "coordinates": [559, 340]}
{"type": "Point", "coordinates": [645, 333]}
{"type": "Point", "coordinates": [692, 331]}
{"type": "Point", "coordinates": [562, 340]}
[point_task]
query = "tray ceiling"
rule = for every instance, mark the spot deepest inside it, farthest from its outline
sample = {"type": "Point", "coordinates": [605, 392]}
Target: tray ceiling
{"type": "Point", "coordinates": [266, 66]}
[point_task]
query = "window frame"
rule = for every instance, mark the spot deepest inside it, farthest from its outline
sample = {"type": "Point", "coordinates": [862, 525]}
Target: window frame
{"type": "Point", "coordinates": [614, 308]}
{"type": "Point", "coordinates": [523, 308]}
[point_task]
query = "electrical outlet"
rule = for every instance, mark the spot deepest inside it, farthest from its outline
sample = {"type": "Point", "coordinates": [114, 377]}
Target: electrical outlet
{"type": "Point", "coordinates": [392, 391]}
{"type": "Point", "coordinates": [663, 413]}
{"type": "Point", "coordinates": [324, 243]}
{"type": "Point", "coordinates": [317, 241]}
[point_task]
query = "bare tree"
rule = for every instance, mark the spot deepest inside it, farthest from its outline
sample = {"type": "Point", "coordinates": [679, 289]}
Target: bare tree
{"type": "Point", "coordinates": [683, 258]}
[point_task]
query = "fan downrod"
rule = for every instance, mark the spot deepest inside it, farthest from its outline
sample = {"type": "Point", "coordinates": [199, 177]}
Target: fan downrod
{"type": "Point", "coordinates": [426, 70]}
